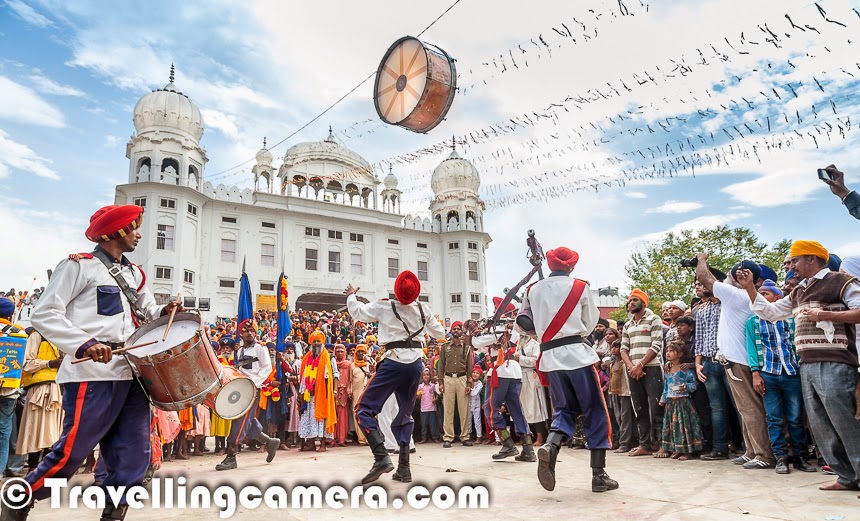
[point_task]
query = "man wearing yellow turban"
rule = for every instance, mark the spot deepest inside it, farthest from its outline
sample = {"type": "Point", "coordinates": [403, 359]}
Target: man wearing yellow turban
{"type": "Point", "coordinates": [826, 308]}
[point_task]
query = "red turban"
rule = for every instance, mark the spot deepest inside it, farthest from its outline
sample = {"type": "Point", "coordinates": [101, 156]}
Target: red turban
{"type": "Point", "coordinates": [114, 222]}
{"type": "Point", "coordinates": [456, 324]}
{"type": "Point", "coordinates": [247, 324]}
{"type": "Point", "coordinates": [406, 287]}
{"type": "Point", "coordinates": [497, 301]}
{"type": "Point", "coordinates": [561, 259]}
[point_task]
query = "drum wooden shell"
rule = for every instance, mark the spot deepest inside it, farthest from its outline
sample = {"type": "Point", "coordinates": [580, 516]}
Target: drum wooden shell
{"type": "Point", "coordinates": [178, 375]}
{"type": "Point", "coordinates": [415, 85]}
{"type": "Point", "coordinates": [236, 395]}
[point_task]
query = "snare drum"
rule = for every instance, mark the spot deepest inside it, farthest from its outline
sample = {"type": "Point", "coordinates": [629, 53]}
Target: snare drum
{"type": "Point", "coordinates": [183, 371]}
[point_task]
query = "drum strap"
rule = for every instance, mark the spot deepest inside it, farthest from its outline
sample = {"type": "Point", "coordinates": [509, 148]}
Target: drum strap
{"type": "Point", "coordinates": [116, 273]}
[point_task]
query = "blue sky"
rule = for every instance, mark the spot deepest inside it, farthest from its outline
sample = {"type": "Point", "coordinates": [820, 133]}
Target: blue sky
{"type": "Point", "coordinates": [70, 74]}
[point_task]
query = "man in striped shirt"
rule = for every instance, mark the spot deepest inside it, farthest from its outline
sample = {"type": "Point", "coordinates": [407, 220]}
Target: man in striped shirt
{"type": "Point", "coordinates": [775, 376]}
{"type": "Point", "coordinates": [641, 347]}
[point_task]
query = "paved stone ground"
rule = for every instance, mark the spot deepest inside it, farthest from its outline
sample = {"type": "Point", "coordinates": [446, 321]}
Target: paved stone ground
{"type": "Point", "coordinates": [650, 489]}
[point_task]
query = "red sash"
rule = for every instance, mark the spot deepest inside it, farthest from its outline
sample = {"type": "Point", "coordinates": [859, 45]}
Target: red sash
{"type": "Point", "coordinates": [558, 321]}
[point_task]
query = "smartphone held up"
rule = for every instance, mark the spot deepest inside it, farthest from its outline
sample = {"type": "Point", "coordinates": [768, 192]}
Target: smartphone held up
{"type": "Point", "coordinates": [825, 174]}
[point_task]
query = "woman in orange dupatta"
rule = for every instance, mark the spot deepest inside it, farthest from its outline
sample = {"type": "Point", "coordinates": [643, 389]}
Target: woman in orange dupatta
{"type": "Point", "coordinates": [318, 414]}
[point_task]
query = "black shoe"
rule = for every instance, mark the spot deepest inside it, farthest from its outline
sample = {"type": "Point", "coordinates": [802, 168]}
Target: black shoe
{"type": "Point", "coordinates": [468, 443]}
{"type": "Point", "coordinates": [272, 449]}
{"type": "Point", "coordinates": [528, 453]}
{"type": "Point", "coordinates": [112, 513]}
{"type": "Point", "coordinates": [801, 465]}
{"type": "Point", "coordinates": [13, 514]}
{"type": "Point", "coordinates": [229, 463]}
{"type": "Point", "coordinates": [782, 465]}
{"type": "Point", "coordinates": [446, 445]}
{"type": "Point", "coordinates": [714, 455]}
{"type": "Point", "coordinates": [546, 456]}
{"type": "Point", "coordinates": [508, 449]}
{"type": "Point", "coordinates": [381, 462]}
{"type": "Point", "coordinates": [602, 482]}
{"type": "Point", "coordinates": [403, 473]}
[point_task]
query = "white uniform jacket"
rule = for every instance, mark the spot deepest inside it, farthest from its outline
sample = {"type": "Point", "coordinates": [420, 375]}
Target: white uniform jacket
{"type": "Point", "coordinates": [487, 343]}
{"type": "Point", "coordinates": [260, 369]}
{"type": "Point", "coordinates": [541, 303]}
{"type": "Point", "coordinates": [392, 330]}
{"type": "Point", "coordinates": [82, 306]}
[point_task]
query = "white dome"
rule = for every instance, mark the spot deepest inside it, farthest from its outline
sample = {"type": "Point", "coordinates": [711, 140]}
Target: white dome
{"type": "Point", "coordinates": [455, 173]}
{"type": "Point", "coordinates": [329, 151]}
{"type": "Point", "coordinates": [390, 181]}
{"type": "Point", "coordinates": [264, 157]}
{"type": "Point", "coordinates": [167, 108]}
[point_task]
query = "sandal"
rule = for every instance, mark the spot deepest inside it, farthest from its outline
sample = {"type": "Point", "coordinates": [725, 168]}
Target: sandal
{"type": "Point", "coordinates": [838, 486]}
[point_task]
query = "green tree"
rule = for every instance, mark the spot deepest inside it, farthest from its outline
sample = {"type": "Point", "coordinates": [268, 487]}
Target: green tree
{"type": "Point", "coordinates": [658, 272]}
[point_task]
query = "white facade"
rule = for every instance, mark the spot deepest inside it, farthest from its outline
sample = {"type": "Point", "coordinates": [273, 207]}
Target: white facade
{"type": "Point", "coordinates": [319, 218]}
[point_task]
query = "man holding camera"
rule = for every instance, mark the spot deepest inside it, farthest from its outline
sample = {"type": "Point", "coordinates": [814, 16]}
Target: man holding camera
{"type": "Point", "coordinates": [732, 353]}
{"type": "Point", "coordinates": [836, 181]}
{"type": "Point", "coordinates": [251, 359]}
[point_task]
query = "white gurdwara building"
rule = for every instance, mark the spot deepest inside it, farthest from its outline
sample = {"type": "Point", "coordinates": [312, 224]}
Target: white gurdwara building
{"type": "Point", "coordinates": [319, 215]}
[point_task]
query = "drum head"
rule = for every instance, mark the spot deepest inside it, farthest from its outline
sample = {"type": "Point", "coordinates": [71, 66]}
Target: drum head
{"type": "Point", "coordinates": [401, 80]}
{"type": "Point", "coordinates": [235, 398]}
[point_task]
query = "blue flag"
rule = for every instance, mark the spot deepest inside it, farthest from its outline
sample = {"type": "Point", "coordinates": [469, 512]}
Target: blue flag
{"type": "Point", "coordinates": [284, 325]}
{"type": "Point", "coordinates": [246, 305]}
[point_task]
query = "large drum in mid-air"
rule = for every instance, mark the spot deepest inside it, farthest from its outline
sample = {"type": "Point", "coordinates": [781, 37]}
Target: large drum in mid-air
{"type": "Point", "coordinates": [415, 85]}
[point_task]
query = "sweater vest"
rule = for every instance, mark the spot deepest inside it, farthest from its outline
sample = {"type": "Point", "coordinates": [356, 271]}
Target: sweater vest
{"type": "Point", "coordinates": [812, 345]}
{"type": "Point", "coordinates": [47, 351]}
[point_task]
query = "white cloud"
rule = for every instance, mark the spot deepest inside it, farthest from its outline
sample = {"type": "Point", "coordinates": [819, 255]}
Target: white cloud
{"type": "Point", "coordinates": [21, 157]}
{"type": "Point", "coordinates": [112, 141]}
{"type": "Point", "coordinates": [218, 120]}
{"type": "Point", "coordinates": [48, 86]}
{"type": "Point", "coordinates": [699, 223]}
{"type": "Point", "coordinates": [20, 103]}
{"type": "Point", "coordinates": [28, 14]}
{"type": "Point", "coordinates": [677, 207]}
{"type": "Point", "coordinates": [636, 195]}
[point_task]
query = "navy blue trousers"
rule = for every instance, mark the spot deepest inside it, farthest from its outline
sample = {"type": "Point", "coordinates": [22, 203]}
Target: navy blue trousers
{"type": "Point", "coordinates": [114, 415]}
{"type": "Point", "coordinates": [391, 377]}
{"type": "Point", "coordinates": [508, 393]}
{"type": "Point", "coordinates": [576, 392]}
{"type": "Point", "coordinates": [247, 426]}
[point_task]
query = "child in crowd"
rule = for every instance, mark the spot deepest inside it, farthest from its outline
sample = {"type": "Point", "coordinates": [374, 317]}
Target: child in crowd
{"type": "Point", "coordinates": [622, 404]}
{"type": "Point", "coordinates": [427, 394]}
{"type": "Point", "coordinates": [682, 433]}
{"type": "Point", "coordinates": [475, 402]}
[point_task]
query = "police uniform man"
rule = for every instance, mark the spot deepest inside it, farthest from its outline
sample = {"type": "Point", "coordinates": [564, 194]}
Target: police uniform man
{"type": "Point", "coordinates": [559, 312]}
{"type": "Point", "coordinates": [93, 303]}
{"type": "Point", "coordinates": [252, 359]}
{"type": "Point", "coordinates": [456, 360]}
{"type": "Point", "coordinates": [402, 324]}
{"type": "Point", "coordinates": [506, 383]}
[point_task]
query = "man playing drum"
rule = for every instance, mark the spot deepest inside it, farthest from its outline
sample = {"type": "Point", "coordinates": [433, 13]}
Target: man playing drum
{"type": "Point", "coordinates": [92, 304]}
{"type": "Point", "coordinates": [251, 358]}
{"type": "Point", "coordinates": [402, 324]}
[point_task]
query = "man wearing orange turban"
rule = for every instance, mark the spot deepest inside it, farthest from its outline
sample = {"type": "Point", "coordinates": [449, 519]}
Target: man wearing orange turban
{"type": "Point", "coordinates": [316, 394]}
{"type": "Point", "coordinates": [86, 314]}
{"type": "Point", "coordinates": [402, 325]}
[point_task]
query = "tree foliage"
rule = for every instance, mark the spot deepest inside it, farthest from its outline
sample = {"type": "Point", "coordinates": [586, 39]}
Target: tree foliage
{"type": "Point", "coordinates": [658, 272]}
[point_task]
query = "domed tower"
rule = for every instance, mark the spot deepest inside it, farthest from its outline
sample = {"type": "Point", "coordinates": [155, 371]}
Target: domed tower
{"type": "Point", "coordinates": [166, 145]}
{"type": "Point", "coordinates": [328, 171]}
{"type": "Point", "coordinates": [456, 204]}
{"type": "Point", "coordinates": [390, 195]}
{"type": "Point", "coordinates": [263, 170]}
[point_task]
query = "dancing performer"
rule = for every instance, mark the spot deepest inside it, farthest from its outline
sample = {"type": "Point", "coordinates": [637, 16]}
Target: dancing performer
{"type": "Point", "coordinates": [251, 358]}
{"type": "Point", "coordinates": [505, 385]}
{"type": "Point", "coordinates": [402, 323]}
{"type": "Point", "coordinates": [559, 312]}
{"type": "Point", "coordinates": [93, 303]}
